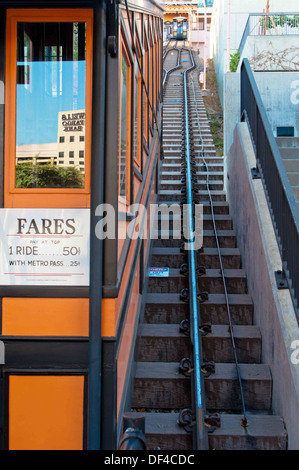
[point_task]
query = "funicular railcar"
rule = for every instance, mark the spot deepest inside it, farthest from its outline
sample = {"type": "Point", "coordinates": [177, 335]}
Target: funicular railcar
{"type": "Point", "coordinates": [80, 127]}
{"type": "Point", "coordinates": [180, 28]}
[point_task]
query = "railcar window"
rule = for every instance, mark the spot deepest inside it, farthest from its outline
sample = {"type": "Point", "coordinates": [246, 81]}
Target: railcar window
{"type": "Point", "coordinates": [151, 82]}
{"type": "Point", "coordinates": [135, 127]}
{"type": "Point", "coordinates": [124, 126]}
{"type": "Point", "coordinates": [145, 101]}
{"type": "Point", "coordinates": [137, 111]}
{"type": "Point", "coordinates": [50, 107]}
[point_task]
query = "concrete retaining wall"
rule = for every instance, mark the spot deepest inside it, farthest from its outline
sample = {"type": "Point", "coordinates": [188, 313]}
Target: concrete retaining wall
{"type": "Point", "coordinates": [271, 53]}
{"type": "Point", "coordinates": [274, 312]}
{"type": "Point", "coordinates": [280, 95]}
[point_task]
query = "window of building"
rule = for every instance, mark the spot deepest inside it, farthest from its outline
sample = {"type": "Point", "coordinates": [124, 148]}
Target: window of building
{"type": "Point", "coordinates": [285, 131]}
{"type": "Point", "coordinates": [72, 138]}
{"type": "Point", "coordinates": [61, 139]}
{"type": "Point", "coordinates": [81, 154]}
{"type": "Point", "coordinates": [71, 154]}
{"type": "Point", "coordinates": [61, 154]}
{"type": "Point", "coordinates": [81, 138]}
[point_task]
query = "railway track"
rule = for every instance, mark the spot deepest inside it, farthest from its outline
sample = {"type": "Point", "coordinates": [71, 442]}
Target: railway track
{"type": "Point", "coordinates": [223, 399]}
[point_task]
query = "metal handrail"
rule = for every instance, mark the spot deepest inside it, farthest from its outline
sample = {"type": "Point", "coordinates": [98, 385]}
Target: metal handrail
{"type": "Point", "coordinates": [281, 200]}
{"type": "Point", "coordinates": [199, 405]}
{"type": "Point", "coordinates": [251, 30]}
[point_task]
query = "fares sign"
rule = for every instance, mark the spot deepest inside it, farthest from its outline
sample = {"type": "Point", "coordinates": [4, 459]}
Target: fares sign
{"type": "Point", "coordinates": [44, 247]}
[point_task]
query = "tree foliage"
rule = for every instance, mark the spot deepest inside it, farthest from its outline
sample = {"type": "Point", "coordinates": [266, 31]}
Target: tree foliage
{"type": "Point", "coordinates": [48, 176]}
{"type": "Point", "coordinates": [234, 61]}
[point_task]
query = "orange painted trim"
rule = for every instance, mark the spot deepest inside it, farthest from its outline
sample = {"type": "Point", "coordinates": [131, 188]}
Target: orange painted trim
{"type": "Point", "coordinates": [48, 197]}
{"type": "Point", "coordinates": [45, 317]}
{"type": "Point", "coordinates": [46, 412]}
{"type": "Point", "coordinates": [108, 317]}
{"type": "Point", "coordinates": [53, 317]}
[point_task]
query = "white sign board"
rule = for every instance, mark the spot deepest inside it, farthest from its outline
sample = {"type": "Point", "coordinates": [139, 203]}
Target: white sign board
{"type": "Point", "coordinates": [44, 247]}
{"type": "Point", "coordinates": [158, 272]}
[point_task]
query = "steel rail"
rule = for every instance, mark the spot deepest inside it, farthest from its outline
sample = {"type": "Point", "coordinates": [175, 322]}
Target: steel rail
{"type": "Point", "coordinates": [244, 421]}
{"type": "Point", "coordinates": [199, 405]}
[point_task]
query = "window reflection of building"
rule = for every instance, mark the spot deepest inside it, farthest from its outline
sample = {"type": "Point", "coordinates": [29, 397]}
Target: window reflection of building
{"type": "Point", "coordinates": [69, 150]}
{"type": "Point", "coordinates": [51, 74]}
{"type": "Point", "coordinates": [71, 139]}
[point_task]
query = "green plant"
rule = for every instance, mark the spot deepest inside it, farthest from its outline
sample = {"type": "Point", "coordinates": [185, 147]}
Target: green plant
{"type": "Point", "coordinates": [47, 176]}
{"type": "Point", "coordinates": [234, 61]}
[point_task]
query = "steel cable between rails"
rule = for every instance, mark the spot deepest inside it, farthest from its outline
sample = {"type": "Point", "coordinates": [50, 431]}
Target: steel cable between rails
{"type": "Point", "coordinates": [199, 400]}
{"type": "Point", "coordinates": [244, 422]}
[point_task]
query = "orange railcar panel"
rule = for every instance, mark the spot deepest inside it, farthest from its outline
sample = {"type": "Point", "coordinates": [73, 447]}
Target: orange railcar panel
{"type": "Point", "coordinates": [53, 317]}
{"type": "Point", "coordinates": [46, 412]}
{"type": "Point", "coordinates": [45, 317]}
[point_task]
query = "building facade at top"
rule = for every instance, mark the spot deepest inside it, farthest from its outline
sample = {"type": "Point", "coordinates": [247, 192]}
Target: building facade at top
{"type": "Point", "coordinates": [198, 30]}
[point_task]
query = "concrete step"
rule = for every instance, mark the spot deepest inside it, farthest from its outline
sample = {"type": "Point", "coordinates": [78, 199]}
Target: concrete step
{"type": "Point", "coordinates": [219, 207]}
{"type": "Point", "coordinates": [264, 432]}
{"type": "Point", "coordinates": [170, 174]}
{"type": "Point", "coordinates": [223, 222]}
{"type": "Point", "coordinates": [201, 185]}
{"type": "Point", "coordinates": [289, 153]}
{"type": "Point", "coordinates": [172, 195]}
{"type": "Point", "coordinates": [177, 152]}
{"type": "Point", "coordinates": [210, 282]}
{"type": "Point", "coordinates": [283, 142]}
{"type": "Point", "coordinates": [227, 239]}
{"type": "Point", "coordinates": [179, 158]}
{"type": "Point", "coordinates": [294, 178]}
{"type": "Point", "coordinates": [174, 258]}
{"type": "Point", "coordinates": [160, 385]}
{"type": "Point", "coordinates": [296, 192]}
{"type": "Point", "coordinates": [168, 308]}
{"type": "Point", "coordinates": [213, 167]}
{"type": "Point", "coordinates": [291, 165]}
{"type": "Point", "coordinates": [165, 343]}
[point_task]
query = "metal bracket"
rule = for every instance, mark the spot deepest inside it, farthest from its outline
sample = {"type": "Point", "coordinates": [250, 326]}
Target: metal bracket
{"type": "Point", "coordinates": [255, 173]}
{"type": "Point", "coordinates": [185, 327]}
{"type": "Point", "coordinates": [112, 27]}
{"type": "Point", "coordinates": [212, 422]}
{"type": "Point", "coordinates": [186, 366]}
{"type": "Point", "coordinates": [201, 271]}
{"type": "Point", "coordinates": [184, 269]}
{"type": "Point", "coordinates": [205, 329]}
{"type": "Point", "coordinates": [203, 297]}
{"type": "Point", "coordinates": [208, 368]}
{"type": "Point", "coordinates": [186, 420]}
{"type": "Point", "coordinates": [281, 280]}
{"type": "Point", "coordinates": [184, 295]}
{"type": "Point", "coordinates": [2, 353]}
